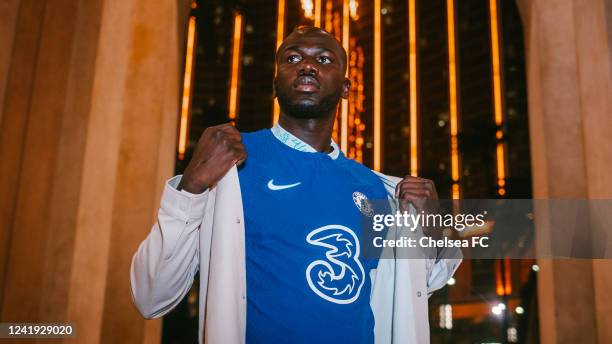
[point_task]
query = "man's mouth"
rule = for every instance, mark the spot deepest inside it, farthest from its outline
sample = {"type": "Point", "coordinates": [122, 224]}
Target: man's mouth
{"type": "Point", "coordinates": [306, 84]}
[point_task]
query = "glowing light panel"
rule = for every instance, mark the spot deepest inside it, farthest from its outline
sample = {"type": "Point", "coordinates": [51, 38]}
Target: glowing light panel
{"type": "Point", "coordinates": [317, 13]}
{"type": "Point", "coordinates": [497, 97]}
{"type": "Point", "coordinates": [344, 105]}
{"type": "Point", "coordinates": [280, 34]}
{"type": "Point", "coordinates": [377, 87]}
{"type": "Point", "coordinates": [186, 99]}
{"type": "Point", "coordinates": [414, 163]}
{"type": "Point", "coordinates": [452, 83]}
{"type": "Point", "coordinates": [235, 72]}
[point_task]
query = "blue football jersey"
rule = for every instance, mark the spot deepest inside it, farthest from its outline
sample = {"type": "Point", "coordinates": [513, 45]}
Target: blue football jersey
{"type": "Point", "coordinates": [306, 279]}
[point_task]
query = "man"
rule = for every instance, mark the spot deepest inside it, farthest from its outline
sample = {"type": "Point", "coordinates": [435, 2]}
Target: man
{"type": "Point", "coordinates": [277, 245]}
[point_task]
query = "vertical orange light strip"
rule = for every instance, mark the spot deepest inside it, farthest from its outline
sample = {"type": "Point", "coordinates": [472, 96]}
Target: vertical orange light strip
{"type": "Point", "coordinates": [335, 28]}
{"type": "Point", "coordinates": [280, 34]}
{"type": "Point", "coordinates": [317, 13]}
{"type": "Point", "coordinates": [452, 83]}
{"type": "Point", "coordinates": [503, 283]}
{"type": "Point", "coordinates": [235, 72]}
{"type": "Point", "coordinates": [186, 100]}
{"type": "Point", "coordinates": [377, 87]}
{"type": "Point", "coordinates": [507, 276]}
{"type": "Point", "coordinates": [344, 108]}
{"type": "Point", "coordinates": [500, 162]}
{"type": "Point", "coordinates": [328, 15]}
{"type": "Point", "coordinates": [501, 169]}
{"type": "Point", "coordinates": [497, 97]}
{"type": "Point", "coordinates": [499, 285]}
{"type": "Point", "coordinates": [414, 162]}
{"type": "Point", "coordinates": [356, 99]}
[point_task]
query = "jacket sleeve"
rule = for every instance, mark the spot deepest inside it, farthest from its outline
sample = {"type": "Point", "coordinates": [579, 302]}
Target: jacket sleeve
{"type": "Point", "coordinates": [440, 270]}
{"type": "Point", "coordinates": [166, 262]}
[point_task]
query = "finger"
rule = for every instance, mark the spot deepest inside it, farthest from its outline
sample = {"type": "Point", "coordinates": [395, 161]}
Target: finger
{"type": "Point", "coordinates": [223, 125]}
{"type": "Point", "coordinates": [238, 147]}
{"type": "Point", "coordinates": [215, 130]}
{"type": "Point", "coordinates": [231, 142]}
{"type": "Point", "coordinates": [231, 134]}
{"type": "Point", "coordinates": [230, 129]}
{"type": "Point", "coordinates": [404, 205]}
{"type": "Point", "coordinates": [240, 161]}
{"type": "Point", "coordinates": [239, 155]}
{"type": "Point", "coordinates": [419, 179]}
{"type": "Point", "coordinates": [416, 202]}
{"type": "Point", "coordinates": [234, 137]}
{"type": "Point", "coordinates": [412, 181]}
{"type": "Point", "coordinates": [400, 185]}
{"type": "Point", "coordinates": [231, 160]}
{"type": "Point", "coordinates": [417, 188]}
{"type": "Point", "coordinates": [414, 194]}
{"type": "Point", "coordinates": [224, 129]}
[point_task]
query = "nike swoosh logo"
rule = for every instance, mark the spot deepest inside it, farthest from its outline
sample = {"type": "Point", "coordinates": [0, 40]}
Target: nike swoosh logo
{"type": "Point", "coordinates": [271, 185]}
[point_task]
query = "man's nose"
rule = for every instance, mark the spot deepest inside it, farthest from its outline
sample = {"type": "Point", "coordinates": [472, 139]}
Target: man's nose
{"type": "Point", "coordinates": [308, 67]}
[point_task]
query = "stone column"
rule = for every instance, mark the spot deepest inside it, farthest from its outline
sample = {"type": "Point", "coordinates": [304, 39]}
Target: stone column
{"type": "Point", "coordinates": [569, 83]}
{"type": "Point", "coordinates": [87, 137]}
{"type": "Point", "coordinates": [8, 20]}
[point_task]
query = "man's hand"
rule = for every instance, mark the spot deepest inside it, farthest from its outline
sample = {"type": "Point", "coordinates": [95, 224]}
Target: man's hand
{"type": "Point", "coordinates": [420, 192]}
{"type": "Point", "coordinates": [219, 148]}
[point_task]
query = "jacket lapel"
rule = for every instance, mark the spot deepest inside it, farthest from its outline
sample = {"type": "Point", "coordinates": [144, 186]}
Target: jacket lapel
{"type": "Point", "coordinates": [226, 293]}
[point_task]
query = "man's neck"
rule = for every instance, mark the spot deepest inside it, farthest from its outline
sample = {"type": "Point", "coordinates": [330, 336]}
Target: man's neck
{"type": "Point", "coordinates": [316, 132]}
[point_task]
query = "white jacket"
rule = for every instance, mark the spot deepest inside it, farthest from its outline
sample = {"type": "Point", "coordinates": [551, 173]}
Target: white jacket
{"type": "Point", "coordinates": [206, 232]}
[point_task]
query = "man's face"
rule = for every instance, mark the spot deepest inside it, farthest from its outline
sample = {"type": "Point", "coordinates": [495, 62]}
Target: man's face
{"type": "Point", "coordinates": [310, 77]}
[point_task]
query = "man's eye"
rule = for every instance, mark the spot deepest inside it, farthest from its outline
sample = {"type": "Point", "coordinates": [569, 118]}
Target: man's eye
{"type": "Point", "coordinates": [294, 58]}
{"type": "Point", "coordinates": [324, 60]}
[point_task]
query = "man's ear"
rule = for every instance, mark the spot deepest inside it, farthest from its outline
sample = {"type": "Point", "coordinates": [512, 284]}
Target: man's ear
{"type": "Point", "coordinates": [346, 87]}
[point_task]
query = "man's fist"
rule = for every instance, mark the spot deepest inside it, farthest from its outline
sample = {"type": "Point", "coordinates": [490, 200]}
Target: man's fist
{"type": "Point", "coordinates": [420, 192]}
{"type": "Point", "coordinates": [219, 148]}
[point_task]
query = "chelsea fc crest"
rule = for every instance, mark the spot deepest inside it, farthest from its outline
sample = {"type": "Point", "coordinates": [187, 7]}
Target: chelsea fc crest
{"type": "Point", "coordinates": [362, 203]}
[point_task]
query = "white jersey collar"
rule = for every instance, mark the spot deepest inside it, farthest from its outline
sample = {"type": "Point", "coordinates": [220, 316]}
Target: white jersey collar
{"type": "Point", "coordinates": [292, 141]}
